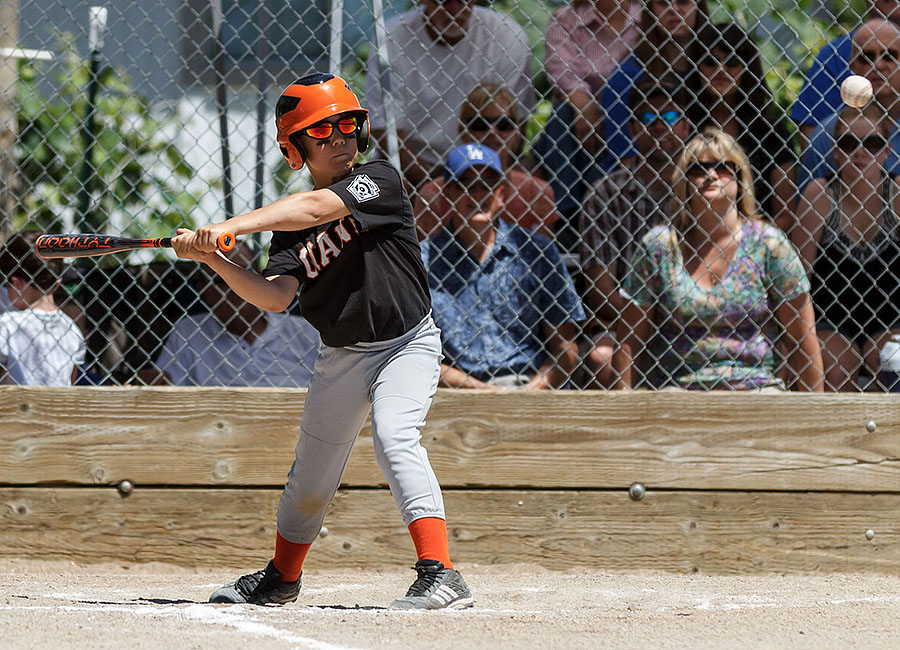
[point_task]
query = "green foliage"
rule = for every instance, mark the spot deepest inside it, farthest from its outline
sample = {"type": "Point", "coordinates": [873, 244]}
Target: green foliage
{"type": "Point", "coordinates": [140, 174]}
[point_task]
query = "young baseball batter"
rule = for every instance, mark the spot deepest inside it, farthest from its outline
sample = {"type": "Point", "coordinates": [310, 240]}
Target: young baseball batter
{"type": "Point", "coordinates": [350, 247]}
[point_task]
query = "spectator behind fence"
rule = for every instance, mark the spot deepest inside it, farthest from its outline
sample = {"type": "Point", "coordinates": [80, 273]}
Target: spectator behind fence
{"type": "Point", "coordinates": [876, 56]}
{"type": "Point", "coordinates": [501, 294]}
{"type": "Point", "coordinates": [849, 238]}
{"type": "Point", "coordinates": [438, 53]}
{"type": "Point", "coordinates": [490, 116]}
{"type": "Point", "coordinates": [585, 40]}
{"type": "Point", "coordinates": [621, 207]}
{"type": "Point", "coordinates": [668, 28]}
{"type": "Point", "coordinates": [820, 96]}
{"type": "Point", "coordinates": [731, 95]}
{"type": "Point", "coordinates": [39, 344]}
{"type": "Point", "coordinates": [717, 285]}
{"type": "Point", "coordinates": [235, 343]}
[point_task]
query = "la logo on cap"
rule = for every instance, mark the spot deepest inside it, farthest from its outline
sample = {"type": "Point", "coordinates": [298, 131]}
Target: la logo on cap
{"type": "Point", "coordinates": [474, 152]}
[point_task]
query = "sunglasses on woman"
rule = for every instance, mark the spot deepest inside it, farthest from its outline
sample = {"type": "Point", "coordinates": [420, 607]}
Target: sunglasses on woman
{"type": "Point", "coordinates": [669, 117]}
{"type": "Point", "coordinates": [482, 123]}
{"type": "Point", "coordinates": [848, 143]}
{"type": "Point", "coordinates": [323, 130]}
{"type": "Point", "coordinates": [721, 167]}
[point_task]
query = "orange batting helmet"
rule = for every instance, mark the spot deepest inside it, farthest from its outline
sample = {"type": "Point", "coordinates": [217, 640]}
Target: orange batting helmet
{"type": "Point", "coordinates": [309, 100]}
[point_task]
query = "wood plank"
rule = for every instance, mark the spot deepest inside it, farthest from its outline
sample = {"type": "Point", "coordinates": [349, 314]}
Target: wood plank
{"type": "Point", "coordinates": [566, 439]}
{"type": "Point", "coordinates": [678, 531]}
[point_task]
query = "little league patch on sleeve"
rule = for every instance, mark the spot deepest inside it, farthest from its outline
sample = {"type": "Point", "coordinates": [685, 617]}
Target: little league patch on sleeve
{"type": "Point", "coordinates": [363, 188]}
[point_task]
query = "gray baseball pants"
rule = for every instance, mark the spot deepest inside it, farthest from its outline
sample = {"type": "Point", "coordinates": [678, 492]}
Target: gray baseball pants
{"type": "Point", "coordinates": [397, 379]}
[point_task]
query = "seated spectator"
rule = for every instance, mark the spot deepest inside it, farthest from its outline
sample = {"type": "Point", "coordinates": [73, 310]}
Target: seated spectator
{"type": "Point", "coordinates": [849, 237]}
{"type": "Point", "coordinates": [5, 305]}
{"type": "Point", "coordinates": [820, 96]}
{"type": "Point", "coordinates": [621, 207]}
{"type": "Point", "coordinates": [501, 294]}
{"type": "Point", "coordinates": [39, 344]}
{"type": "Point", "coordinates": [668, 28]}
{"type": "Point", "coordinates": [876, 56]}
{"type": "Point", "coordinates": [69, 302]}
{"type": "Point", "coordinates": [236, 343]}
{"type": "Point", "coordinates": [490, 116]}
{"type": "Point", "coordinates": [586, 39]}
{"type": "Point", "coordinates": [438, 52]}
{"type": "Point", "coordinates": [716, 286]}
{"type": "Point", "coordinates": [731, 95]}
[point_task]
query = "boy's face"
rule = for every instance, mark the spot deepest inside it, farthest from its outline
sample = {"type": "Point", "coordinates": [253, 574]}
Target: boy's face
{"type": "Point", "coordinates": [332, 156]}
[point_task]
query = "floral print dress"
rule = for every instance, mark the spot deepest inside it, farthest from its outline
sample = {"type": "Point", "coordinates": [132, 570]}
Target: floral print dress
{"type": "Point", "coordinates": [721, 337]}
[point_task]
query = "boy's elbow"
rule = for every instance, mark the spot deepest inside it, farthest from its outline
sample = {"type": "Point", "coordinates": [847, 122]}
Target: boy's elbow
{"type": "Point", "coordinates": [276, 305]}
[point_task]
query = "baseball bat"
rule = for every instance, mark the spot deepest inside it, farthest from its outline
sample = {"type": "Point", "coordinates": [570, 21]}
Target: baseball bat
{"type": "Point", "coordinates": [88, 245]}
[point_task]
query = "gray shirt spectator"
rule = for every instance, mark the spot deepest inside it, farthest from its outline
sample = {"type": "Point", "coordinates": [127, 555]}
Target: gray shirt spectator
{"type": "Point", "coordinates": [438, 54]}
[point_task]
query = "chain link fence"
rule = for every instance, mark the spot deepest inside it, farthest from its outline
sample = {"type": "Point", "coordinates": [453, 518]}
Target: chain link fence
{"type": "Point", "coordinates": [680, 199]}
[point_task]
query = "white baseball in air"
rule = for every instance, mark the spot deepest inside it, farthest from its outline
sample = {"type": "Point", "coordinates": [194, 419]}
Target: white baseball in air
{"type": "Point", "coordinates": [856, 91]}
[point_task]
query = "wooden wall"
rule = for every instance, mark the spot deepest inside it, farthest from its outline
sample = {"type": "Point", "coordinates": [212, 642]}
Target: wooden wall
{"type": "Point", "coordinates": [735, 483]}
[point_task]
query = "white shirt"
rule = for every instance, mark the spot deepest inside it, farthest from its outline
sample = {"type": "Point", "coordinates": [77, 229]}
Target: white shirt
{"type": "Point", "coordinates": [431, 80]}
{"type": "Point", "coordinates": [201, 352]}
{"type": "Point", "coordinates": [40, 348]}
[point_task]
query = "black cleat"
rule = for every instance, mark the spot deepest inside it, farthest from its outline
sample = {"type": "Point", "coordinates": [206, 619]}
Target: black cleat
{"type": "Point", "coordinates": [261, 588]}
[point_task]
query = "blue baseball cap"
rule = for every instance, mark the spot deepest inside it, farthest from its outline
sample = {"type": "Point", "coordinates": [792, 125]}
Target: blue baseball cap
{"type": "Point", "coordinates": [470, 155]}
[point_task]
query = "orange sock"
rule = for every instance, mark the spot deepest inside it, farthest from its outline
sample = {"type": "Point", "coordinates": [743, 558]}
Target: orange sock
{"type": "Point", "coordinates": [289, 558]}
{"type": "Point", "coordinates": [429, 535]}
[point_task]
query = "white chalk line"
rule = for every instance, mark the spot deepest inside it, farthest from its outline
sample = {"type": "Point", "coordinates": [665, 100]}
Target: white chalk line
{"type": "Point", "coordinates": [235, 616]}
{"type": "Point", "coordinates": [304, 590]}
{"type": "Point", "coordinates": [735, 603]}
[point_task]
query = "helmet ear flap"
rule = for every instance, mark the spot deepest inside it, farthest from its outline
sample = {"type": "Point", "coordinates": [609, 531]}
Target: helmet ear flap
{"type": "Point", "coordinates": [297, 161]}
{"type": "Point", "coordinates": [362, 134]}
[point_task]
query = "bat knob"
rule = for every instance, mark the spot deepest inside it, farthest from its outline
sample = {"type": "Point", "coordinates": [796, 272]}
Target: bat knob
{"type": "Point", "coordinates": [226, 241]}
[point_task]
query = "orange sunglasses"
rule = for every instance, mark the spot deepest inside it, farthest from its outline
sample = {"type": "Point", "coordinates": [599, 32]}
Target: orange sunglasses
{"type": "Point", "coordinates": [324, 130]}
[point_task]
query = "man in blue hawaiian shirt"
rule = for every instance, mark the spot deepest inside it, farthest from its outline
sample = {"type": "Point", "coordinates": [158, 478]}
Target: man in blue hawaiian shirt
{"type": "Point", "coordinates": [501, 294]}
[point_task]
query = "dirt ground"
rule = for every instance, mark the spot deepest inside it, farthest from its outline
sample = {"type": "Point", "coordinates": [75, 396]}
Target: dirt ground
{"type": "Point", "coordinates": [49, 606]}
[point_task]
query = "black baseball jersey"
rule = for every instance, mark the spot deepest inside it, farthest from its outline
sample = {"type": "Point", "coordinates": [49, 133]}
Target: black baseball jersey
{"type": "Point", "coordinates": [361, 277]}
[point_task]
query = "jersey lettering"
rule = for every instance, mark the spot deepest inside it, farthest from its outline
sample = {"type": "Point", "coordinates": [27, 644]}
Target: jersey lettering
{"type": "Point", "coordinates": [326, 248]}
{"type": "Point", "coordinates": [317, 254]}
{"type": "Point", "coordinates": [309, 262]}
{"type": "Point", "coordinates": [341, 231]}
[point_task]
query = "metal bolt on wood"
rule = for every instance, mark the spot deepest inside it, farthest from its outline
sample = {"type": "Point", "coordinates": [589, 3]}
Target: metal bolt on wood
{"type": "Point", "coordinates": [636, 491]}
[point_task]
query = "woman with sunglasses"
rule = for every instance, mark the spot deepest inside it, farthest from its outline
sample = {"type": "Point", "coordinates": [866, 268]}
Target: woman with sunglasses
{"type": "Point", "coordinates": [848, 234]}
{"type": "Point", "coordinates": [711, 292]}
{"type": "Point", "coordinates": [490, 116]}
{"type": "Point", "coordinates": [349, 246]}
{"type": "Point", "coordinates": [731, 95]}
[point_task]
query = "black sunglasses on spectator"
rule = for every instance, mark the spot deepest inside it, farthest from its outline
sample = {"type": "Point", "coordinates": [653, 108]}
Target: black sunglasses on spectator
{"type": "Point", "coordinates": [730, 61]}
{"type": "Point", "coordinates": [848, 143]}
{"type": "Point", "coordinates": [872, 57]}
{"type": "Point", "coordinates": [501, 123]}
{"type": "Point", "coordinates": [721, 167]}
